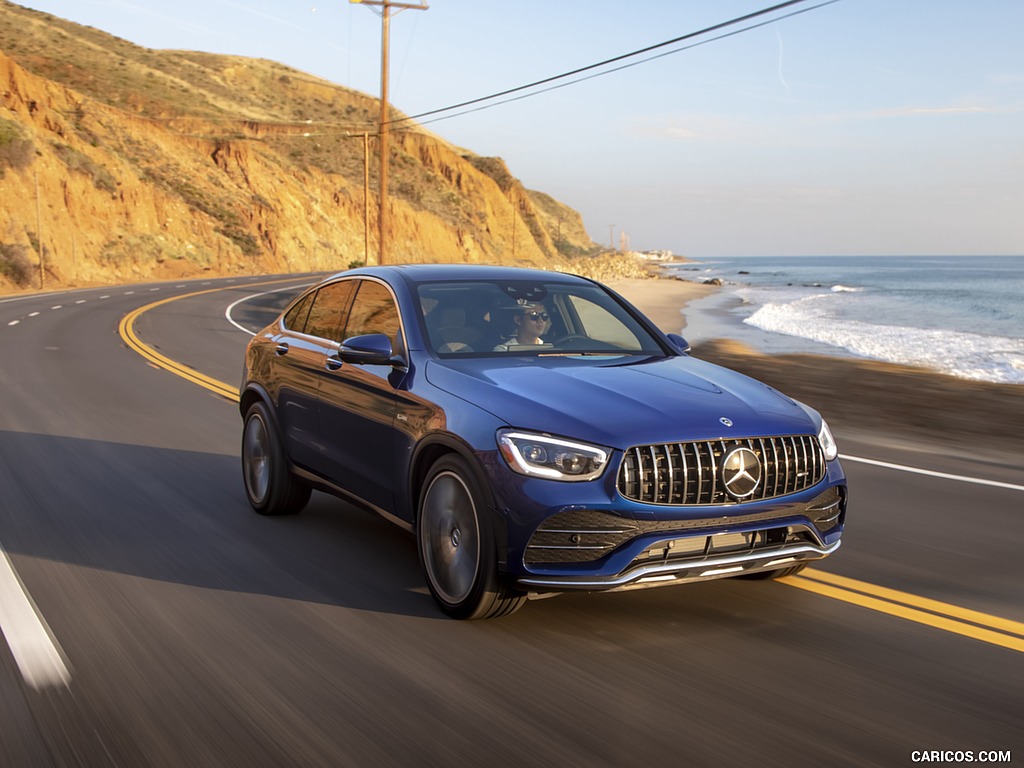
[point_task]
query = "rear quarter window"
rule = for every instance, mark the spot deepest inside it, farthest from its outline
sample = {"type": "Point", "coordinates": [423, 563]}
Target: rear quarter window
{"type": "Point", "coordinates": [330, 305]}
{"type": "Point", "coordinates": [295, 318]}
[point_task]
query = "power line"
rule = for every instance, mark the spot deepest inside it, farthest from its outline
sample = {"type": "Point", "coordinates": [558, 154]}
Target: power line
{"type": "Point", "coordinates": [610, 71]}
{"type": "Point", "coordinates": [316, 128]}
{"type": "Point", "coordinates": [606, 62]}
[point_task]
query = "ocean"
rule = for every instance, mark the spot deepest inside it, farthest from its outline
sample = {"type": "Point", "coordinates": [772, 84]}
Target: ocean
{"type": "Point", "coordinates": [962, 316]}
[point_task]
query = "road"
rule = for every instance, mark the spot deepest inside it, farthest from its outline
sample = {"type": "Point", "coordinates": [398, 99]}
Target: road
{"type": "Point", "coordinates": [174, 627]}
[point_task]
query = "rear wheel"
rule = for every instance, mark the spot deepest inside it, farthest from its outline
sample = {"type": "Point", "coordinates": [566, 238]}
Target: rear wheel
{"type": "Point", "coordinates": [269, 485]}
{"type": "Point", "coordinates": [457, 548]}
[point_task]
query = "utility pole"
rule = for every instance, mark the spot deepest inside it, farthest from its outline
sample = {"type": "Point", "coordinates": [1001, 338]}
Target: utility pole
{"type": "Point", "coordinates": [366, 199]}
{"type": "Point", "coordinates": [513, 207]}
{"type": "Point", "coordinates": [39, 233]}
{"type": "Point", "coordinates": [611, 236]}
{"type": "Point", "coordinates": [383, 126]}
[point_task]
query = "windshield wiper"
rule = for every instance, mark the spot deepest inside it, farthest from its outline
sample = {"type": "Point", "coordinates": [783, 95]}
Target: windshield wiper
{"type": "Point", "coordinates": [582, 354]}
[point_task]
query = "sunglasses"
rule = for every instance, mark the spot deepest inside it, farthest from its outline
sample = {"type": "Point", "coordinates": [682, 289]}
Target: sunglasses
{"type": "Point", "coordinates": [538, 315]}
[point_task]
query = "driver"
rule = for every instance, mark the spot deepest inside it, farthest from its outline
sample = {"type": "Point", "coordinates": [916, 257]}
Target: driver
{"type": "Point", "coordinates": [531, 321]}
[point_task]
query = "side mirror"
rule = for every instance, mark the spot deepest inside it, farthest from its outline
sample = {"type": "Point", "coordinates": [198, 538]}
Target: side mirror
{"type": "Point", "coordinates": [682, 344]}
{"type": "Point", "coordinates": [371, 349]}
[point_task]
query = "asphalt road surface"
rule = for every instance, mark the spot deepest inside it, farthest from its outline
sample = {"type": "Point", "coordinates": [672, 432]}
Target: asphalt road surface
{"type": "Point", "coordinates": [152, 619]}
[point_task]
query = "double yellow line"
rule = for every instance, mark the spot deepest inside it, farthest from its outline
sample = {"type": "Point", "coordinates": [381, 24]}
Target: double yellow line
{"type": "Point", "coordinates": [934, 613]}
{"type": "Point", "coordinates": [951, 618]}
{"type": "Point", "coordinates": [126, 329]}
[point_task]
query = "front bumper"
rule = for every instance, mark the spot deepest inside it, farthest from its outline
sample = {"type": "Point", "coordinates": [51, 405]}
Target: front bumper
{"type": "Point", "coordinates": [656, 574]}
{"type": "Point", "coordinates": [614, 544]}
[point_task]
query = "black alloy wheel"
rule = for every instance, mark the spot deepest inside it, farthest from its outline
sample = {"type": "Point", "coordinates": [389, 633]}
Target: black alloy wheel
{"type": "Point", "coordinates": [269, 485]}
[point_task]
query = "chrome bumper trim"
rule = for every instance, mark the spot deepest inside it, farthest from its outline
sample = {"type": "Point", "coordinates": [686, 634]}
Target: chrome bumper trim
{"type": "Point", "coordinates": [683, 571]}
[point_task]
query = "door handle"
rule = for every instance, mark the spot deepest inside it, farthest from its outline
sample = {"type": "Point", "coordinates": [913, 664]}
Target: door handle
{"type": "Point", "coordinates": [334, 363]}
{"type": "Point", "coordinates": [281, 349]}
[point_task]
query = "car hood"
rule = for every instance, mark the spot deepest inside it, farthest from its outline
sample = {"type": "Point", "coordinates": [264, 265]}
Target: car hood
{"type": "Point", "coordinates": [620, 402]}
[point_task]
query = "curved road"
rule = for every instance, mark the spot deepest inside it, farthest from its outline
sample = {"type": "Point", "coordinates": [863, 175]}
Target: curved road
{"type": "Point", "coordinates": [152, 619]}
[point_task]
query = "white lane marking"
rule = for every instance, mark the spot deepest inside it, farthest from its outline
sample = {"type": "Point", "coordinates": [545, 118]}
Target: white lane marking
{"type": "Point", "coordinates": [32, 644]}
{"type": "Point", "coordinates": [28, 296]}
{"type": "Point", "coordinates": [80, 301]}
{"type": "Point", "coordinates": [33, 314]}
{"type": "Point", "coordinates": [14, 322]}
{"type": "Point", "coordinates": [933, 473]}
{"type": "Point", "coordinates": [105, 297]}
{"type": "Point", "coordinates": [57, 307]}
{"type": "Point", "coordinates": [227, 312]}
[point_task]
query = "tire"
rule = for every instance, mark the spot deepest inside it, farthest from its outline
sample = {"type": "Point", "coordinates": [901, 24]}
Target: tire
{"type": "Point", "coordinates": [456, 545]}
{"type": "Point", "coordinates": [269, 484]}
{"type": "Point", "coordinates": [778, 573]}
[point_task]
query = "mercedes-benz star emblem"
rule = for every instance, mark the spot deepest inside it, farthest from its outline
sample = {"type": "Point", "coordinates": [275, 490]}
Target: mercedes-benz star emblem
{"type": "Point", "coordinates": [725, 421]}
{"type": "Point", "coordinates": [741, 472]}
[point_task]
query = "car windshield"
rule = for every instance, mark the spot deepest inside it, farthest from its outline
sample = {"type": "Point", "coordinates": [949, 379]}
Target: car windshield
{"type": "Point", "coordinates": [494, 318]}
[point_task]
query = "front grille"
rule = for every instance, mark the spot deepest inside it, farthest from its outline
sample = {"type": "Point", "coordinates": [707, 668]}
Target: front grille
{"type": "Point", "coordinates": [679, 474]}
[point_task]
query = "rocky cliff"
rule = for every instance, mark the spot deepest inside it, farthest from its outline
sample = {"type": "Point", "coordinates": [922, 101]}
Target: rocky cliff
{"type": "Point", "coordinates": [120, 163]}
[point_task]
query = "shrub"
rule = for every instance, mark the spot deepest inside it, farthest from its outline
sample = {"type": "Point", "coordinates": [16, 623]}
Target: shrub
{"type": "Point", "coordinates": [248, 244]}
{"type": "Point", "coordinates": [81, 163]}
{"type": "Point", "coordinates": [15, 150]}
{"type": "Point", "coordinates": [15, 264]}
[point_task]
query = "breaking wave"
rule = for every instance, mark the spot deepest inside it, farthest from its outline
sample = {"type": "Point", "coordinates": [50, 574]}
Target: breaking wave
{"type": "Point", "coordinates": [966, 355]}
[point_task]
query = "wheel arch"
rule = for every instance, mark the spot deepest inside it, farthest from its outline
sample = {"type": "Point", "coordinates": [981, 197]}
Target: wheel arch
{"type": "Point", "coordinates": [253, 393]}
{"type": "Point", "coordinates": [427, 453]}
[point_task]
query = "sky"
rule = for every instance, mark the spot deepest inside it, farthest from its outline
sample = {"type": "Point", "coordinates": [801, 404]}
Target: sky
{"type": "Point", "coordinates": [863, 127]}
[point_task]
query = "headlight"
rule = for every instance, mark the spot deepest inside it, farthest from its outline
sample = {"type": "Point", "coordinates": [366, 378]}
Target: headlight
{"type": "Point", "coordinates": [551, 457]}
{"type": "Point", "coordinates": [827, 442]}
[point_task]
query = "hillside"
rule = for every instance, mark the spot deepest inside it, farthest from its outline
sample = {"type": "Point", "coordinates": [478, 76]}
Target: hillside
{"type": "Point", "coordinates": [122, 163]}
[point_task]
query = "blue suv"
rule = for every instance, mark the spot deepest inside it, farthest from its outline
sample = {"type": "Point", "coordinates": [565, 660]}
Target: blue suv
{"type": "Point", "coordinates": [536, 432]}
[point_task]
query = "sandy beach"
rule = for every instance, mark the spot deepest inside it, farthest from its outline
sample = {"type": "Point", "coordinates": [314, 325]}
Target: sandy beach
{"type": "Point", "coordinates": [859, 397]}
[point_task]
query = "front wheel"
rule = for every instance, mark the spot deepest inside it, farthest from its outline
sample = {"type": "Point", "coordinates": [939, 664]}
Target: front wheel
{"type": "Point", "coordinates": [269, 484]}
{"type": "Point", "coordinates": [456, 545]}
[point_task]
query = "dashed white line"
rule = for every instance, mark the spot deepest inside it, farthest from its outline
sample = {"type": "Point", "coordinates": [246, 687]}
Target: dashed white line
{"type": "Point", "coordinates": [33, 314]}
{"type": "Point", "coordinates": [105, 297]}
{"type": "Point", "coordinates": [57, 307]}
{"type": "Point", "coordinates": [80, 301]}
{"type": "Point", "coordinates": [32, 644]}
{"type": "Point", "coordinates": [14, 322]}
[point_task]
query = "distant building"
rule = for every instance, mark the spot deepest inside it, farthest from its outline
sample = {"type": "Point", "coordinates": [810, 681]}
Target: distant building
{"type": "Point", "coordinates": [655, 255]}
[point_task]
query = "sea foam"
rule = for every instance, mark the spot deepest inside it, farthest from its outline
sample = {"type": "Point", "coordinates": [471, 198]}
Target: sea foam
{"type": "Point", "coordinates": [966, 355]}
